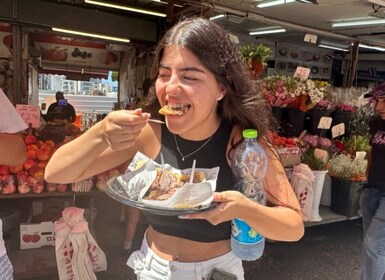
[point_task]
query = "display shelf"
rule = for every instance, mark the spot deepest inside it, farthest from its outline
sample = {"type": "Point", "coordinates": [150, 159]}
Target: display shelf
{"type": "Point", "coordinates": [50, 194]}
{"type": "Point", "coordinates": [330, 217]}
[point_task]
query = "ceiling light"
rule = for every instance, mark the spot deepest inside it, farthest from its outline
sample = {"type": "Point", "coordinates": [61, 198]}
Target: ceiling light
{"type": "Point", "coordinates": [358, 22]}
{"type": "Point", "coordinates": [217, 17]}
{"type": "Point", "coordinates": [371, 47]}
{"type": "Point", "coordinates": [333, 48]}
{"type": "Point", "coordinates": [99, 36]}
{"type": "Point", "coordinates": [126, 8]}
{"type": "Point", "coordinates": [274, 3]}
{"type": "Point", "coordinates": [159, 1]}
{"type": "Point", "coordinates": [267, 31]}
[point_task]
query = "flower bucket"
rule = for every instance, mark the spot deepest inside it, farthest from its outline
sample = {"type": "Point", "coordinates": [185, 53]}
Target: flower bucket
{"type": "Point", "coordinates": [313, 118]}
{"type": "Point", "coordinates": [345, 196]}
{"type": "Point", "coordinates": [326, 191]}
{"type": "Point", "coordinates": [292, 121]}
{"type": "Point", "coordinates": [318, 184]}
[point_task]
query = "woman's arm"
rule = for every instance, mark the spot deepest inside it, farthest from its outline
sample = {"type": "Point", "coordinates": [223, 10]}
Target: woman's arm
{"type": "Point", "coordinates": [12, 149]}
{"type": "Point", "coordinates": [107, 144]}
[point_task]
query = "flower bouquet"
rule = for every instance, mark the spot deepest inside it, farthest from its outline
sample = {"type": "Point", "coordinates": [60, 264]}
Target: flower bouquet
{"type": "Point", "coordinates": [293, 92]}
{"type": "Point", "coordinates": [348, 168]}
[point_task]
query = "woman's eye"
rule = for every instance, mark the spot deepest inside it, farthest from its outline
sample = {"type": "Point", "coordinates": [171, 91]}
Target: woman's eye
{"type": "Point", "coordinates": [190, 78]}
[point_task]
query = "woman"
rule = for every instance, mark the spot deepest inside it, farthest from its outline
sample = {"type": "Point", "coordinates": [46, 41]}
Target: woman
{"type": "Point", "coordinates": [197, 73]}
{"type": "Point", "coordinates": [373, 196]}
{"type": "Point", "coordinates": [12, 153]}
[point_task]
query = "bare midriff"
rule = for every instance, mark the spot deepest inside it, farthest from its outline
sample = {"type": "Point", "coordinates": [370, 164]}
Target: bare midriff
{"type": "Point", "coordinates": [173, 248]}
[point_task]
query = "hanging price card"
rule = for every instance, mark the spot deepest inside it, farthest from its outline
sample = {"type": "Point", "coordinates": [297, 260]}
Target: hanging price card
{"type": "Point", "coordinates": [302, 73]}
{"type": "Point", "coordinates": [338, 130]}
{"type": "Point", "coordinates": [325, 123]}
{"type": "Point", "coordinates": [30, 114]}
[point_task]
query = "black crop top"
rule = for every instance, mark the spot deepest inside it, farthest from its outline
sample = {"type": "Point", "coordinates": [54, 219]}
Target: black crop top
{"type": "Point", "coordinates": [376, 178]}
{"type": "Point", "coordinates": [211, 155]}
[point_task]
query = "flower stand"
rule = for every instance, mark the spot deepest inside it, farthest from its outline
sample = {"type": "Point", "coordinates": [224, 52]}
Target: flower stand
{"type": "Point", "coordinates": [318, 183]}
{"type": "Point", "coordinates": [326, 191]}
{"type": "Point", "coordinates": [313, 118]}
{"type": "Point", "coordinates": [345, 196]}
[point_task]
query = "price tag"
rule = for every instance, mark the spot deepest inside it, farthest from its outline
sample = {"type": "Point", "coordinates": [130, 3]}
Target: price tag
{"type": "Point", "coordinates": [30, 114]}
{"type": "Point", "coordinates": [325, 123]}
{"type": "Point", "coordinates": [360, 155]}
{"type": "Point", "coordinates": [302, 73]}
{"type": "Point", "coordinates": [338, 130]}
{"type": "Point", "coordinates": [311, 38]}
{"type": "Point", "coordinates": [321, 155]}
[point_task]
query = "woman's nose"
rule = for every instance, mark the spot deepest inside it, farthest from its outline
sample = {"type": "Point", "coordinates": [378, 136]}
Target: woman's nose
{"type": "Point", "coordinates": [173, 85]}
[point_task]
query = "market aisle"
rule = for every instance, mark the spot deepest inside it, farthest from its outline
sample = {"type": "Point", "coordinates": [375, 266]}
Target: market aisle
{"type": "Point", "coordinates": [326, 252]}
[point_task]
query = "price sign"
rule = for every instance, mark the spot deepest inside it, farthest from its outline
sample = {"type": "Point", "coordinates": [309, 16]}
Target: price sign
{"type": "Point", "coordinates": [321, 155]}
{"type": "Point", "coordinates": [325, 123]}
{"type": "Point", "coordinates": [360, 155]}
{"type": "Point", "coordinates": [302, 73]}
{"type": "Point", "coordinates": [338, 130]}
{"type": "Point", "coordinates": [30, 114]}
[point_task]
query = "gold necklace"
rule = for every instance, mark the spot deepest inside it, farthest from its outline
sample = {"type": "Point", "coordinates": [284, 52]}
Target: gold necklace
{"type": "Point", "coordinates": [190, 154]}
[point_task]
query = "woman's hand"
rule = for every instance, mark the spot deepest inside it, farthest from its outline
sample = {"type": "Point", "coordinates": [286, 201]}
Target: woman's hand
{"type": "Point", "coordinates": [229, 204]}
{"type": "Point", "coordinates": [121, 128]}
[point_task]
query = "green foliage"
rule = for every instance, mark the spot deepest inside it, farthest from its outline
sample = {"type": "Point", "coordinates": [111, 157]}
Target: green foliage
{"type": "Point", "coordinates": [359, 124]}
{"type": "Point", "coordinates": [355, 143]}
{"type": "Point", "coordinates": [259, 52]}
{"type": "Point", "coordinates": [313, 162]}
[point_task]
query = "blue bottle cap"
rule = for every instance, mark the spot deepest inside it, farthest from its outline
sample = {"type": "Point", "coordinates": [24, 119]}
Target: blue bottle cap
{"type": "Point", "coordinates": [250, 133]}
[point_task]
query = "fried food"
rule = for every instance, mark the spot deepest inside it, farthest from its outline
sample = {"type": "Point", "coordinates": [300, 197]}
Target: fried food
{"type": "Point", "coordinates": [166, 110]}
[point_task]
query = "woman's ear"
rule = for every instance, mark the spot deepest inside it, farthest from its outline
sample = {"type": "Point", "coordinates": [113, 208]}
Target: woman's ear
{"type": "Point", "coordinates": [221, 93]}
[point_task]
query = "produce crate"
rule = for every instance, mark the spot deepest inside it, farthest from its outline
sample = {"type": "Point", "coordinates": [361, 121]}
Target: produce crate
{"type": "Point", "coordinates": [290, 156]}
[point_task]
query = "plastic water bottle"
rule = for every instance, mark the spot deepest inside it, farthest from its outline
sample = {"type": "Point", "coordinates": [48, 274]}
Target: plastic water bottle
{"type": "Point", "coordinates": [249, 165]}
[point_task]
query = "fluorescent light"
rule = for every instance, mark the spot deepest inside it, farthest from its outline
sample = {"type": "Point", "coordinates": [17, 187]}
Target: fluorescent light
{"type": "Point", "coordinates": [126, 8]}
{"type": "Point", "coordinates": [358, 22]}
{"type": "Point", "coordinates": [267, 31]}
{"type": "Point", "coordinates": [333, 48]}
{"type": "Point", "coordinates": [106, 37]}
{"type": "Point", "coordinates": [217, 17]}
{"type": "Point", "coordinates": [274, 3]}
{"type": "Point", "coordinates": [159, 1]}
{"type": "Point", "coordinates": [371, 47]}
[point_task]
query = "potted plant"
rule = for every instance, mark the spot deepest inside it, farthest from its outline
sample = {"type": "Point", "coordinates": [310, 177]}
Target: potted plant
{"type": "Point", "coordinates": [347, 178]}
{"type": "Point", "coordinates": [255, 57]}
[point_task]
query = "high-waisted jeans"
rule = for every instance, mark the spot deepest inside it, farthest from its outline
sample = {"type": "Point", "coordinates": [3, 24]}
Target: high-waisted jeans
{"type": "Point", "coordinates": [149, 266]}
{"type": "Point", "coordinates": [373, 218]}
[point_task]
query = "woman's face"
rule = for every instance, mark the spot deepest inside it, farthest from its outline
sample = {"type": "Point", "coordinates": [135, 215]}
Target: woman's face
{"type": "Point", "coordinates": [380, 107]}
{"type": "Point", "coordinates": [183, 81]}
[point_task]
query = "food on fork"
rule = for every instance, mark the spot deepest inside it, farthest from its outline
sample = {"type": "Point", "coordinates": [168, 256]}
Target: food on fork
{"type": "Point", "coordinates": [173, 110]}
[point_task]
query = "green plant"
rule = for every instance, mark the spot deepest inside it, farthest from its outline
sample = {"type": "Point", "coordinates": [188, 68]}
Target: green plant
{"type": "Point", "coordinates": [355, 143]}
{"type": "Point", "coordinates": [259, 52]}
{"type": "Point", "coordinates": [313, 162]}
{"type": "Point", "coordinates": [359, 124]}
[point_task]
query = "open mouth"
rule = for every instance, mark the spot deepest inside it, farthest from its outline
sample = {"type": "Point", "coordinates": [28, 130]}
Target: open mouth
{"type": "Point", "coordinates": [174, 109]}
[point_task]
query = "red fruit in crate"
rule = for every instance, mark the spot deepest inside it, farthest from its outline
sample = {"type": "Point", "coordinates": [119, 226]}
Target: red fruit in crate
{"type": "Point", "coordinates": [31, 154]}
{"type": "Point", "coordinates": [16, 169]}
{"type": "Point", "coordinates": [50, 143]}
{"type": "Point", "coordinates": [28, 164]}
{"type": "Point", "coordinates": [37, 172]}
{"type": "Point", "coordinates": [27, 238]}
{"type": "Point", "coordinates": [61, 187]}
{"type": "Point", "coordinates": [23, 188]}
{"type": "Point", "coordinates": [32, 147]}
{"type": "Point", "coordinates": [21, 176]}
{"type": "Point", "coordinates": [43, 154]}
{"type": "Point", "coordinates": [9, 189]}
{"type": "Point", "coordinates": [4, 170]}
{"type": "Point", "coordinates": [30, 139]}
{"type": "Point", "coordinates": [42, 164]}
{"type": "Point", "coordinates": [50, 187]}
{"type": "Point", "coordinates": [38, 187]}
{"type": "Point", "coordinates": [8, 179]}
{"type": "Point", "coordinates": [31, 181]}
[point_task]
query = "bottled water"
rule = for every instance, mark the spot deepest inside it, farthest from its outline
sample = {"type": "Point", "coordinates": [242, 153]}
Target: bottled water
{"type": "Point", "coordinates": [249, 164]}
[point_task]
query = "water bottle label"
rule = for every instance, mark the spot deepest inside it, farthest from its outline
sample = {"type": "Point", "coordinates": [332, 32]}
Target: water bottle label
{"type": "Point", "coordinates": [243, 233]}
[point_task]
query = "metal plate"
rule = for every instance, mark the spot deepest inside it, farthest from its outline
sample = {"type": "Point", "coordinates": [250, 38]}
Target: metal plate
{"type": "Point", "coordinates": [116, 192]}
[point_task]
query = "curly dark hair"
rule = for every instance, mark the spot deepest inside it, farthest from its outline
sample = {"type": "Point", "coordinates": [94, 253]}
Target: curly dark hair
{"type": "Point", "coordinates": [243, 105]}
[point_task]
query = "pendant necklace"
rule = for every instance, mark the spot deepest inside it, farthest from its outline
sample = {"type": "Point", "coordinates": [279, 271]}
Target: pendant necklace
{"type": "Point", "coordinates": [190, 154]}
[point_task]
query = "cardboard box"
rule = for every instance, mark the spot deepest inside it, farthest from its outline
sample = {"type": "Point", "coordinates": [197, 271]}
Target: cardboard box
{"type": "Point", "coordinates": [49, 209]}
{"type": "Point", "coordinates": [37, 235]}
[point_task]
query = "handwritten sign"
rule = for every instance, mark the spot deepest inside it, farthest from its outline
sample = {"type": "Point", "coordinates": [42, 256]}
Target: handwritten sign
{"type": "Point", "coordinates": [321, 155]}
{"type": "Point", "coordinates": [325, 123]}
{"type": "Point", "coordinates": [360, 155]}
{"type": "Point", "coordinates": [338, 130]}
{"type": "Point", "coordinates": [30, 114]}
{"type": "Point", "coordinates": [302, 73]}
